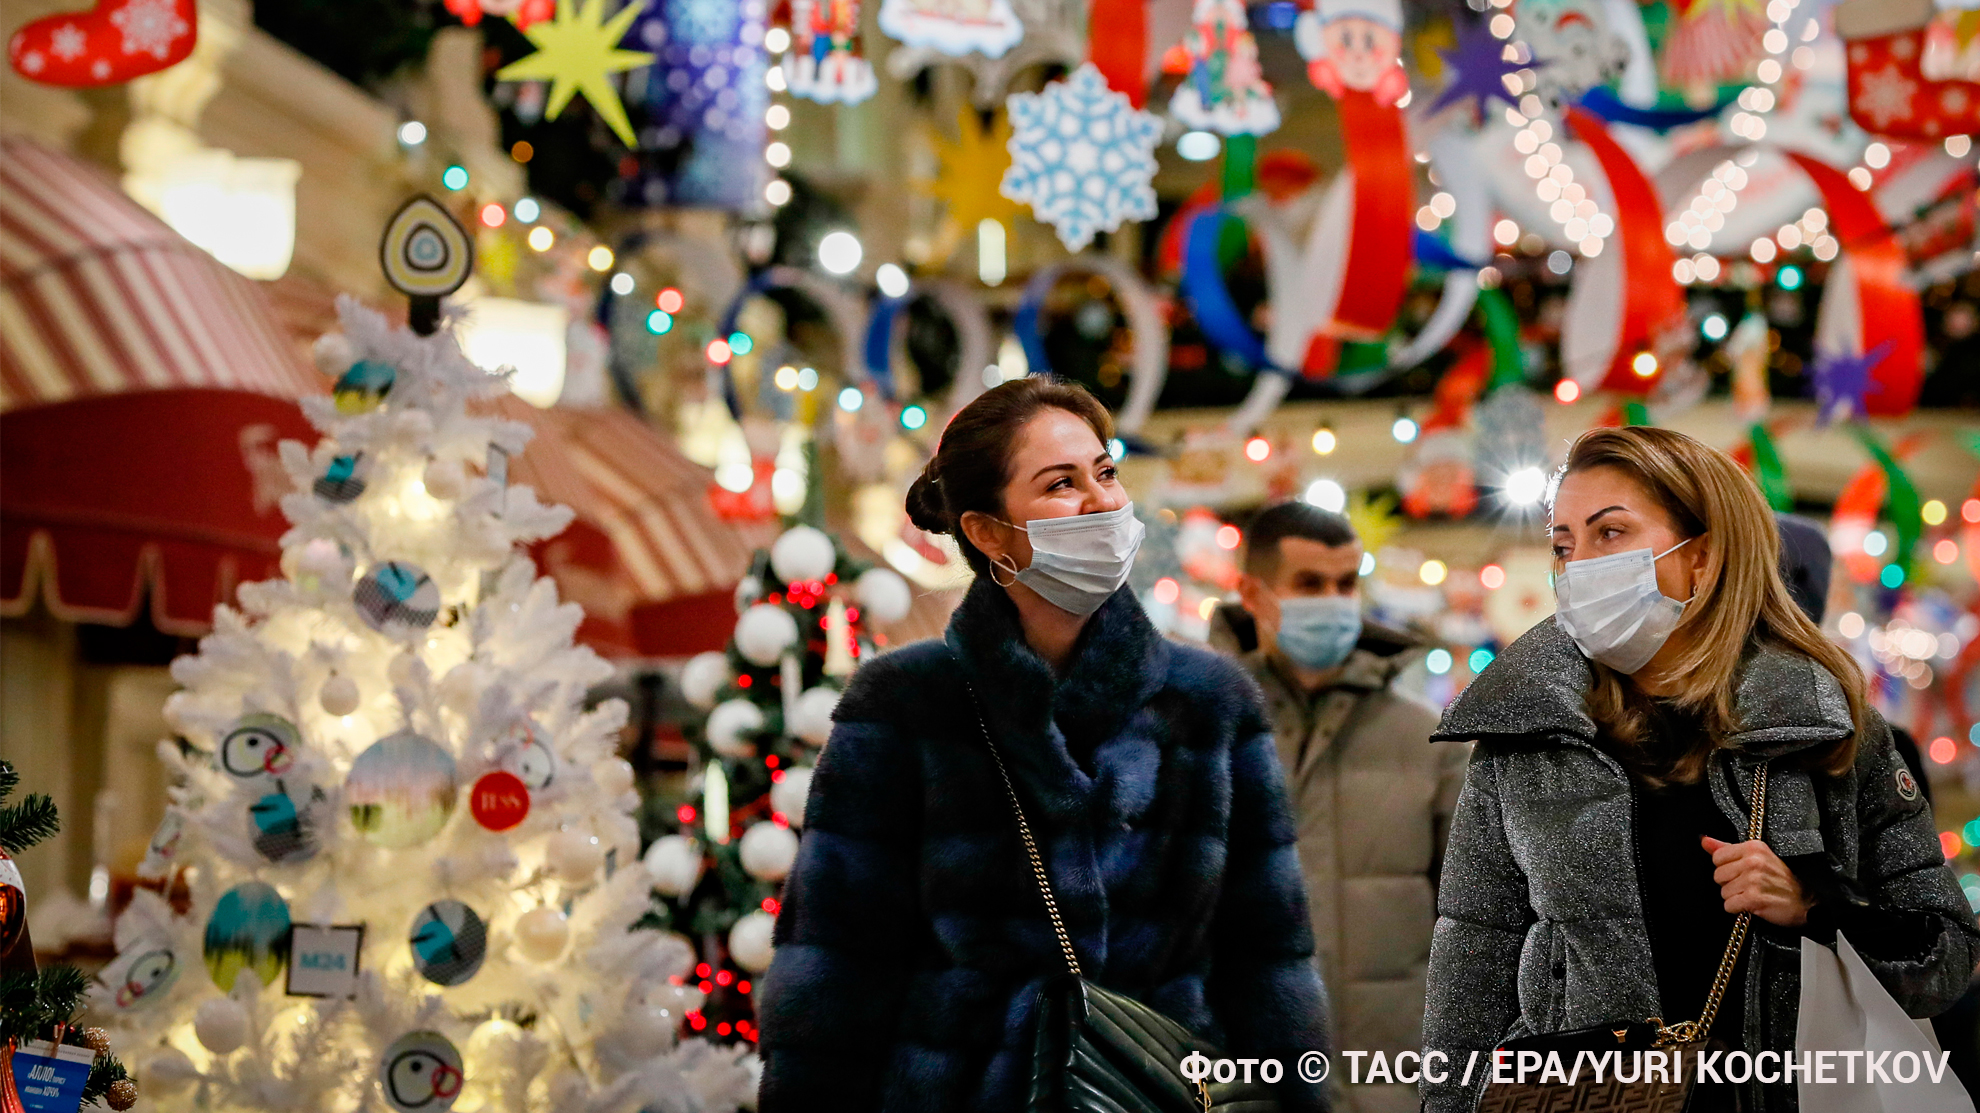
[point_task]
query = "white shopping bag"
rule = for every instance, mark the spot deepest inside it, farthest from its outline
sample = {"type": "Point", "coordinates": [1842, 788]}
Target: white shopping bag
{"type": "Point", "coordinates": [1845, 1008]}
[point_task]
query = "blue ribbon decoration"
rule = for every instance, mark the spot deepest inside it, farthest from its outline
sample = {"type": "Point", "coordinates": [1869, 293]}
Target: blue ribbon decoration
{"type": "Point", "coordinates": [880, 342]}
{"type": "Point", "coordinates": [1603, 102]}
{"type": "Point", "coordinates": [1432, 253]}
{"type": "Point", "coordinates": [1210, 300]}
{"type": "Point", "coordinates": [1026, 324]}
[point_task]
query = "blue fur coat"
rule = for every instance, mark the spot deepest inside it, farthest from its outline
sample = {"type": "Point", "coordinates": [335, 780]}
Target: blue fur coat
{"type": "Point", "coordinates": [913, 941]}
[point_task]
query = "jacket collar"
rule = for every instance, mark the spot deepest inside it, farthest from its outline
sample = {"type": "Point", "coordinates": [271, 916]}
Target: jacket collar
{"type": "Point", "coordinates": [1535, 689]}
{"type": "Point", "coordinates": [1382, 653]}
{"type": "Point", "coordinates": [1046, 724]}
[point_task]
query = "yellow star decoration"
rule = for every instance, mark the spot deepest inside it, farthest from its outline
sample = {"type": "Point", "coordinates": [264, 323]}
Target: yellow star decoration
{"type": "Point", "coordinates": [1375, 520]}
{"type": "Point", "coordinates": [972, 166]}
{"type": "Point", "coordinates": [576, 53]}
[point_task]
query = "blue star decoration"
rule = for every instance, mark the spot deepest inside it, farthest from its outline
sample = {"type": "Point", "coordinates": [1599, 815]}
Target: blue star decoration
{"type": "Point", "coordinates": [1842, 380]}
{"type": "Point", "coordinates": [1082, 156]}
{"type": "Point", "coordinates": [1478, 69]}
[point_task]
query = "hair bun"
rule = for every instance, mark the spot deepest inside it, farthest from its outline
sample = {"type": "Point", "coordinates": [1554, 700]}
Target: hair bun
{"type": "Point", "coordinates": [925, 506]}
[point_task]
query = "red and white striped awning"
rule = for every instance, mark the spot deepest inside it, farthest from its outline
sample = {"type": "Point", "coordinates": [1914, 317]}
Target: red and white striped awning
{"type": "Point", "coordinates": [645, 535]}
{"type": "Point", "coordinates": [98, 296]}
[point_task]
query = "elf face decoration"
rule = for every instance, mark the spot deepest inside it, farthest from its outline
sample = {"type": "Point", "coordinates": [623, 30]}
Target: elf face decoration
{"type": "Point", "coordinates": [1354, 44]}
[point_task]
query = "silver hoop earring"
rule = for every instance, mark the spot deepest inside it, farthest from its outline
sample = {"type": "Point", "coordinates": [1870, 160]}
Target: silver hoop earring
{"type": "Point", "coordinates": [996, 563]}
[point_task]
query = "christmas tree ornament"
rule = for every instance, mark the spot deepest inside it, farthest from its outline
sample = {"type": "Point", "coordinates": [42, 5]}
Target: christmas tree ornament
{"type": "Point", "coordinates": [715, 802]}
{"type": "Point", "coordinates": [1224, 90]}
{"type": "Point", "coordinates": [445, 479]}
{"type": "Point", "coordinates": [704, 677]}
{"type": "Point", "coordinates": [883, 595]}
{"type": "Point", "coordinates": [96, 1039]}
{"type": "Point", "coordinates": [142, 974]}
{"type": "Point", "coordinates": [764, 633]}
{"type": "Point", "coordinates": [752, 941]}
{"type": "Point", "coordinates": [344, 478]}
{"type": "Point", "coordinates": [332, 354]}
{"type": "Point", "coordinates": [1889, 92]}
{"type": "Point", "coordinates": [788, 795]}
{"type": "Point", "coordinates": [448, 942]}
{"type": "Point", "coordinates": [363, 387]}
{"type": "Point", "coordinates": [614, 776]}
{"type": "Point", "coordinates": [802, 553]}
{"type": "Point", "coordinates": [168, 1071]}
{"type": "Point", "coordinates": [13, 903]}
{"type": "Point", "coordinates": [499, 800]}
{"type": "Point", "coordinates": [421, 1071]}
{"type": "Point", "coordinates": [578, 52]}
{"type": "Point", "coordinates": [813, 718]}
{"type": "Point", "coordinates": [321, 559]}
{"type": "Point", "coordinates": [731, 726]}
{"type": "Point", "coordinates": [397, 598]}
{"type": "Point", "coordinates": [1082, 156]}
{"type": "Point", "coordinates": [220, 1024]}
{"type": "Point", "coordinates": [574, 856]}
{"type": "Point", "coordinates": [339, 695]}
{"type": "Point", "coordinates": [525, 751]}
{"type": "Point", "coordinates": [839, 649]}
{"type": "Point", "coordinates": [400, 790]}
{"type": "Point", "coordinates": [542, 933]}
{"type": "Point", "coordinates": [767, 851]}
{"type": "Point", "coordinates": [283, 827]}
{"type": "Point", "coordinates": [406, 670]}
{"type": "Point", "coordinates": [121, 1095]}
{"type": "Point", "coordinates": [426, 256]}
{"type": "Point", "coordinates": [825, 63]}
{"type": "Point", "coordinates": [259, 745]}
{"type": "Point", "coordinates": [247, 932]}
{"type": "Point", "coordinates": [1354, 44]}
{"type": "Point", "coordinates": [675, 861]}
{"type": "Point", "coordinates": [953, 27]}
{"type": "Point", "coordinates": [114, 42]}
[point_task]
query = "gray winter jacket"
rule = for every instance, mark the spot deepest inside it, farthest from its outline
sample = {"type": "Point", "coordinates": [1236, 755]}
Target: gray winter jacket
{"type": "Point", "coordinates": [1540, 927]}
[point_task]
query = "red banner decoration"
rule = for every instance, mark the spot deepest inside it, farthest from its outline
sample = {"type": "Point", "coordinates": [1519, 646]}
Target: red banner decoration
{"type": "Point", "coordinates": [111, 43]}
{"type": "Point", "coordinates": [1623, 304]}
{"type": "Point", "coordinates": [1379, 250]}
{"type": "Point", "coordinates": [1889, 93]}
{"type": "Point", "coordinates": [1119, 46]}
{"type": "Point", "coordinates": [1866, 301]}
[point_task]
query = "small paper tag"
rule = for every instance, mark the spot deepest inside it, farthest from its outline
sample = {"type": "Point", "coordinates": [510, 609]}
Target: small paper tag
{"type": "Point", "coordinates": [323, 960]}
{"type": "Point", "coordinates": [50, 1078]}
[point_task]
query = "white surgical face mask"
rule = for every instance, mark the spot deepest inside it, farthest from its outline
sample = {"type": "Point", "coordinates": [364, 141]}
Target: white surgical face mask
{"type": "Point", "coordinates": [1078, 561]}
{"type": "Point", "coordinates": [1612, 609]}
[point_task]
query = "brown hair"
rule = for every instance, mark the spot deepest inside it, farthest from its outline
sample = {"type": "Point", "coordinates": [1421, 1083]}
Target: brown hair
{"type": "Point", "coordinates": [972, 462]}
{"type": "Point", "coordinates": [1741, 600]}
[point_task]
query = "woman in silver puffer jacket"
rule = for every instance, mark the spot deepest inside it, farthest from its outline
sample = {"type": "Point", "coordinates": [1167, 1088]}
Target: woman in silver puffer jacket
{"type": "Point", "coordinates": [1597, 859]}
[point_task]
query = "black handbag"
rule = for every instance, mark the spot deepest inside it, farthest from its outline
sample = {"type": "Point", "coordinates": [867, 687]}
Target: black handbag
{"type": "Point", "coordinates": [1097, 1051]}
{"type": "Point", "coordinates": [1643, 1094]}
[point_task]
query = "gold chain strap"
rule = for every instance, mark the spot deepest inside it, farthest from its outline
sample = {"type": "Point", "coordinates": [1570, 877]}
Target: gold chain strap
{"type": "Point", "coordinates": [1030, 847]}
{"type": "Point", "coordinates": [1694, 1031]}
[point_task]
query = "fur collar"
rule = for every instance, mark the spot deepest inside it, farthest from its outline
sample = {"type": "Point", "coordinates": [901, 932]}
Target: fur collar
{"type": "Point", "coordinates": [1048, 726]}
{"type": "Point", "coordinates": [1785, 701]}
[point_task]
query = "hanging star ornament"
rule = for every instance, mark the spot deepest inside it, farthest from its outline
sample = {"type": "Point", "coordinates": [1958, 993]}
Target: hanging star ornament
{"type": "Point", "coordinates": [1478, 69]}
{"type": "Point", "coordinates": [577, 52]}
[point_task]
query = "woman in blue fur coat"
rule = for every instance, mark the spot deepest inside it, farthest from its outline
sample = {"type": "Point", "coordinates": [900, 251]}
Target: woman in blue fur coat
{"type": "Point", "coordinates": [913, 941]}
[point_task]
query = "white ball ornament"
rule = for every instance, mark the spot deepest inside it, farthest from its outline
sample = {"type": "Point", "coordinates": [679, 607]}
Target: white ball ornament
{"type": "Point", "coordinates": [764, 632]}
{"type": "Point", "coordinates": [333, 353]}
{"type": "Point", "coordinates": [803, 553]}
{"type": "Point", "coordinates": [730, 723]}
{"type": "Point", "coordinates": [339, 695]}
{"type": "Point", "coordinates": [542, 933]}
{"type": "Point", "coordinates": [675, 862]}
{"type": "Point", "coordinates": [703, 676]}
{"type": "Point", "coordinates": [445, 479]}
{"type": "Point", "coordinates": [750, 941]}
{"type": "Point", "coordinates": [884, 595]}
{"type": "Point", "coordinates": [811, 719]}
{"type": "Point", "coordinates": [406, 671]}
{"type": "Point", "coordinates": [221, 1025]}
{"type": "Point", "coordinates": [574, 856]}
{"type": "Point", "coordinates": [788, 795]}
{"type": "Point", "coordinates": [767, 851]}
{"type": "Point", "coordinates": [749, 590]}
{"type": "Point", "coordinates": [167, 1071]}
{"type": "Point", "coordinates": [614, 775]}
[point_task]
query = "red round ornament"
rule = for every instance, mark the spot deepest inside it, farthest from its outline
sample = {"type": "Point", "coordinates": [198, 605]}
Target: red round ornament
{"type": "Point", "coordinates": [500, 800]}
{"type": "Point", "coordinates": [113, 42]}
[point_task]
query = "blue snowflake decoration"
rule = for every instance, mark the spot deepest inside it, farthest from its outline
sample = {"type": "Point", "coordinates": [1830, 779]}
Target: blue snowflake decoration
{"type": "Point", "coordinates": [1082, 156]}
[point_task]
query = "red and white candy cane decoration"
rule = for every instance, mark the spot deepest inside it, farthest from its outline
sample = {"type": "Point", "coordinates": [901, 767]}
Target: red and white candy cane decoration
{"type": "Point", "coordinates": [111, 43]}
{"type": "Point", "coordinates": [1889, 93]}
{"type": "Point", "coordinates": [1866, 301]}
{"type": "Point", "coordinates": [1624, 303]}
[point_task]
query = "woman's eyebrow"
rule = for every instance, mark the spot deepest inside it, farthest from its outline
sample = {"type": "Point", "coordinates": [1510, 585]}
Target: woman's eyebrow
{"type": "Point", "coordinates": [1599, 513]}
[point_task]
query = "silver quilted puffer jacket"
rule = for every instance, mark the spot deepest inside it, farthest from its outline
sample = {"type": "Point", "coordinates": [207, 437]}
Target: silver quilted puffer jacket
{"type": "Point", "coordinates": [1539, 924]}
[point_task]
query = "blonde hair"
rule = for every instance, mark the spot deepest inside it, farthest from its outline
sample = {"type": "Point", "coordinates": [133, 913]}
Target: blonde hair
{"type": "Point", "coordinates": [1741, 601]}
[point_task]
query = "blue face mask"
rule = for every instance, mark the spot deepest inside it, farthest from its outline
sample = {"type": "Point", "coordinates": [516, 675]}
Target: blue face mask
{"type": "Point", "coordinates": [1319, 631]}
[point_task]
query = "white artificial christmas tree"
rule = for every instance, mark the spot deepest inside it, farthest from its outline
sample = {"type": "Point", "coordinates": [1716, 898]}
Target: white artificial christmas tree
{"type": "Point", "coordinates": [409, 847]}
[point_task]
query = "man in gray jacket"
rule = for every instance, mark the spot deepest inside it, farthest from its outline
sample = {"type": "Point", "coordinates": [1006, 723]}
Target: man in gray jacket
{"type": "Point", "coordinates": [1373, 797]}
